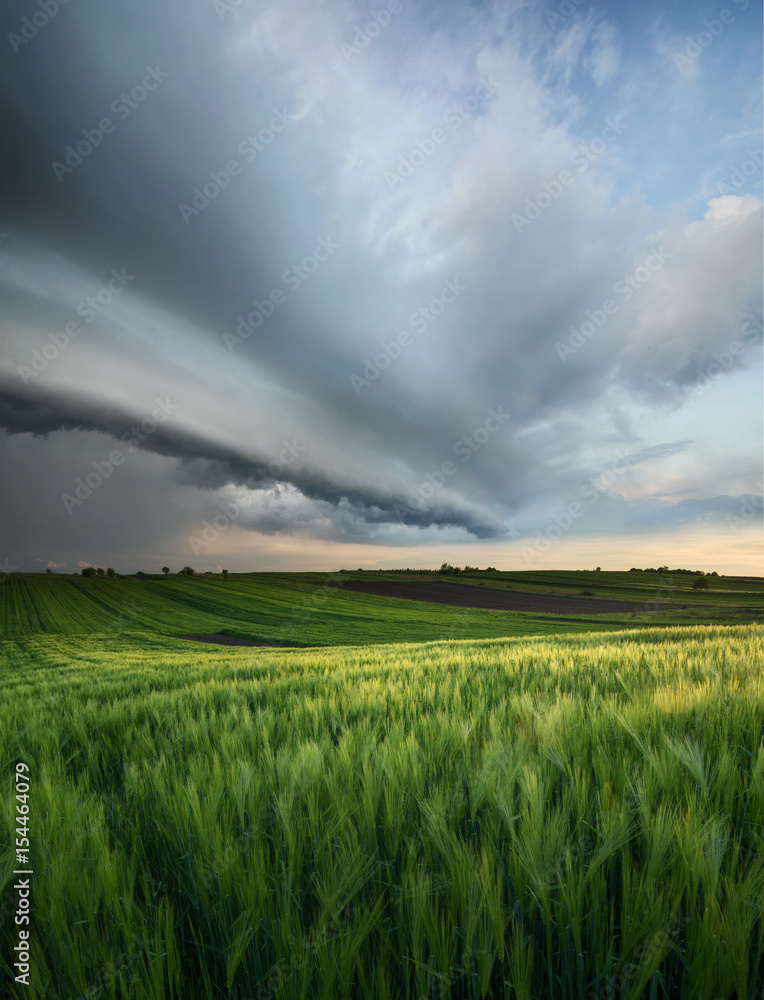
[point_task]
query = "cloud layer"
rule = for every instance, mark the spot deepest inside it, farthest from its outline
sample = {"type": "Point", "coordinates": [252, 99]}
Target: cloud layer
{"type": "Point", "coordinates": [400, 279]}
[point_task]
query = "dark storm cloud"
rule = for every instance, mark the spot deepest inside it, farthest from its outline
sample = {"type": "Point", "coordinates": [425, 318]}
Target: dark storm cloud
{"type": "Point", "coordinates": [120, 202]}
{"type": "Point", "coordinates": [314, 136]}
{"type": "Point", "coordinates": [208, 466]}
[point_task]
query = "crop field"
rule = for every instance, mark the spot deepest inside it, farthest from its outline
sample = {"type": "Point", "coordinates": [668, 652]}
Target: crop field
{"type": "Point", "coordinates": [574, 815]}
{"type": "Point", "coordinates": [313, 609]}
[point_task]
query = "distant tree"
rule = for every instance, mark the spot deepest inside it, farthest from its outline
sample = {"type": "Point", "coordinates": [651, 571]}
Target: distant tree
{"type": "Point", "coordinates": [100, 571]}
{"type": "Point", "coordinates": [187, 571]}
{"type": "Point", "coordinates": [48, 570]}
{"type": "Point", "coordinates": [88, 571]}
{"type": "Point", "coordinates": [110, 572]}
{"type": "Point", "coordinates": [700, 584]}
{"type": "Point", "coordinates": [225, 572]}
{"type": "Point", "coordinates": [165, 570]}
{"type": "Point", "coordinates": [597, 570]}
{"type": "Point", "coordinates": [714, 573]}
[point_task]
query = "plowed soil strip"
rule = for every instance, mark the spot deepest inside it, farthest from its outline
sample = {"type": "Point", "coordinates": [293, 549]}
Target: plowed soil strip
{"type": "Point", "coordinates": [497, 600]}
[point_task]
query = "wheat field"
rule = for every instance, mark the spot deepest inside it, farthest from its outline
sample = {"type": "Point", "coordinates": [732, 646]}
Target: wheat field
{"type": "Point", "coordinates": [577, 817]}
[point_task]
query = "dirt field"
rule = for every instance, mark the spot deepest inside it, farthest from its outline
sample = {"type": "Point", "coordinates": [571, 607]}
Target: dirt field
{"type": "Point", "coordinates": [440, 592]}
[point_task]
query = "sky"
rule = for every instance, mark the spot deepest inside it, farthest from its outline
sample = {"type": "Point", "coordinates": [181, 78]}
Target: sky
{"type": "Point", "coordinates": [320, 284]}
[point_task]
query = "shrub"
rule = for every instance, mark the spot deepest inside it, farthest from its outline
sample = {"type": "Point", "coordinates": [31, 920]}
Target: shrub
{"type": "Point", "coordinates": [88, 571]}
{"type": "Point", "coordinates": [700, 584]}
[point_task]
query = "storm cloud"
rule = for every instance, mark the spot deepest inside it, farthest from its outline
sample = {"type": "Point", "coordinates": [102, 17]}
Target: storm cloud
{"type": "Point", "coordinates": [400, 274]}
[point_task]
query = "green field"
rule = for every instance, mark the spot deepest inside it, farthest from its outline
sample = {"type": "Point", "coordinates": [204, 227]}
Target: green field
{"type": "Point", "coordinates": [312, 609]}
{"type": "Point", "coordinates": [567, 815]}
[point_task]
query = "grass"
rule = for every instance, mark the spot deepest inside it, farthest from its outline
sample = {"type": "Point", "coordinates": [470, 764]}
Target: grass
{"type": "Point", "coordinates": [624, 585]}
{"type": "Point", "coordinates": [573, 816]}
{"type": "Point", "coordinates": [313, 609]}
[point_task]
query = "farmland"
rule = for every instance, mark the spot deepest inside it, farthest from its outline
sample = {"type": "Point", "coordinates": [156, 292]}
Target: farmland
{"type": "Point", "coordinates": [312, 609]}
{"type": "Point", "coordinates": [573, 813]}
